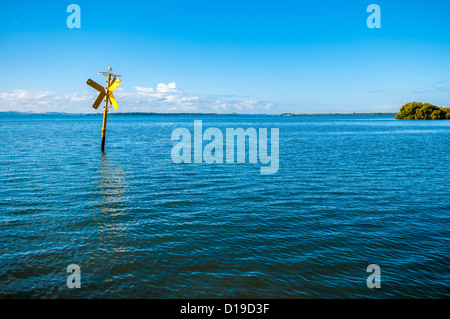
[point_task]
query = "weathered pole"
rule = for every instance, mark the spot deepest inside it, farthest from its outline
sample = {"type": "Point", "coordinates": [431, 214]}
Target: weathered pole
{"type": "Point", "coordinates": [105, 115]}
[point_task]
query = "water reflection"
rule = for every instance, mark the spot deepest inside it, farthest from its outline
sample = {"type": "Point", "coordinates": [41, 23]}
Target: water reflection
{"type": "Point", "coordinates": [109, 211]}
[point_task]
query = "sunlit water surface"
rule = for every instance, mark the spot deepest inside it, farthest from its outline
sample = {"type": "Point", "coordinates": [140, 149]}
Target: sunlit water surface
{"type": "Point", "coordinates": [350, 191]}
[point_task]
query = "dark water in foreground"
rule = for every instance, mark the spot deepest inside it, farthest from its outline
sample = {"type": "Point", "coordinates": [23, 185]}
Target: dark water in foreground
{"type": "Point", "coordinates": [350, 191]}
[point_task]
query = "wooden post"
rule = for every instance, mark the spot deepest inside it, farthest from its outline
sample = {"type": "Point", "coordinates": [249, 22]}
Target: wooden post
{"type": "Point", "coordinates": [105, 116]}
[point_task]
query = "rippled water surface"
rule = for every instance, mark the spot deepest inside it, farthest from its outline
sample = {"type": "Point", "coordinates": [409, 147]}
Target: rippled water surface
{"type": "Point", "coordinates": [350, 191]}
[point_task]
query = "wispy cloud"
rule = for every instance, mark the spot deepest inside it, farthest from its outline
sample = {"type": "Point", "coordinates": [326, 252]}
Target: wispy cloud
{"type": "Point", "coordinates": [440, 86]}
{"type": "Point", "coordinates": [163, 98]}
{"type": "Point", "coordinates": [31, 101]}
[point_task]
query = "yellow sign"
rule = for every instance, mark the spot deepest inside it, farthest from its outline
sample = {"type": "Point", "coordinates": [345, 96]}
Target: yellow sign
{"type": "Point", "coordinates": [99, 100]}
{"type": "Point", "coordinates": [109, 90]}
{"type": "Point", "coordinates": [114, 86]}
{"type": "Point", "coordinates": [99, 88]}
{"type": "Point", "coordinates": [113, 100]}
{"type": "Point", "coordinates": [111, 97]}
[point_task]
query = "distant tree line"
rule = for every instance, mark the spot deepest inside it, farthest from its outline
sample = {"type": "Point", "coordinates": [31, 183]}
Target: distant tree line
{"type": "Point", "coordinates": [422, 111]}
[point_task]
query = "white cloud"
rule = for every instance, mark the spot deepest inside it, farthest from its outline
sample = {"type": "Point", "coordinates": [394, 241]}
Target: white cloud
{"type": "Point", "coordinates": [167, 88]}
{"type": "Point", "coordinates": [163, 98]}
{"type": "Point", "coordinates": [142, 90]}
{"type": "Point", "coordinates": [268, 106]}
{"type": "Point", "coordinates": [170, 98]}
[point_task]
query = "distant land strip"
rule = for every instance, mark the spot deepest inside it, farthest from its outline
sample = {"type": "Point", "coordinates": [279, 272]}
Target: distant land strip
{"type": "Point", "coordinates": [260, 114]}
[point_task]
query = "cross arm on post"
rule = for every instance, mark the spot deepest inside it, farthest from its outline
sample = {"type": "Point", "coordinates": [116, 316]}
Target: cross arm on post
{"type": "Point", "coordinates": [99, 88]}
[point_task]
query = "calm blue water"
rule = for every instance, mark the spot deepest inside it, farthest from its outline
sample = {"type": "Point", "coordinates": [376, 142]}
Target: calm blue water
{"type": "Point", "coordinates": [350, 191]}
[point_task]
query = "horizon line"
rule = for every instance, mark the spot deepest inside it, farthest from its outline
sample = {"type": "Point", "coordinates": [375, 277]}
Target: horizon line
{"type": "Point", "coordinates": [202, 113]}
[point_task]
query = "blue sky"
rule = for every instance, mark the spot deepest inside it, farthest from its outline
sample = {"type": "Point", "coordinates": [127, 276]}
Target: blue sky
{"type": "Point", "coordinates": [226, 56]}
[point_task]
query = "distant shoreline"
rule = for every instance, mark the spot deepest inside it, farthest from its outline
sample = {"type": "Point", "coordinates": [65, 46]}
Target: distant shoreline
{"type": "Point", "coordinates": [112, 113]}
